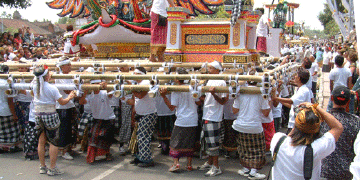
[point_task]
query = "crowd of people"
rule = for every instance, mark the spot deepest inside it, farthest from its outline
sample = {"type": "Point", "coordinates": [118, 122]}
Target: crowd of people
{"type": "Point", "coordinates": [24, 45]}
{"type": "Point", "coordinates": [248, 125]}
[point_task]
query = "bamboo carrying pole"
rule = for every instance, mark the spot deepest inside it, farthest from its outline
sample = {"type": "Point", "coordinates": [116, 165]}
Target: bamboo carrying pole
{"type": "Point", "coordinates": [143, 77]}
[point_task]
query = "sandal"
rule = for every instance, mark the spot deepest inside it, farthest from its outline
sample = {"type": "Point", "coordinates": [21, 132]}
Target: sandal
{"type": "Point", "coordinates": [174, 168]}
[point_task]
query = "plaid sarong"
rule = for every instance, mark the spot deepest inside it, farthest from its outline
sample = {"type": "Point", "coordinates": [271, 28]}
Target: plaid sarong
{"type": "Point", "coordinates": [9, 132]}
{"type": "Point", "coordinates": [30, 139]}
{"type": "Point", "coordinates": [251, 150]}
{"type": "Point", "coordinates": [229, 143]}
{"type": "Point", "coordinates": [210, 137]}
{"type": "Point", "coordinates": [86, 120]}
{"type": "Point", "coordinates": [49, 123]}
{"type": "Point", "coordinates": [145, 130]}
{"type": "Point", "coordinates": [22, 110]}
{"type": "Point", "coordinates": [125, 128]}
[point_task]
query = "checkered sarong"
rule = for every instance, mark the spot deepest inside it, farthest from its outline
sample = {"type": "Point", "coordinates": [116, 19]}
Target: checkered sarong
{"type": "Point", "coordinates": [86, 120]}
{"type": "Point", "coordinates": [9, 131]}
{"type": "Point", "coordinates": [125, 128]}
{"type": "Point", "coordinates": [251, 150]}
{"type": "Point", "coordinates": [30, 139]}
{"type": "Point", "coordinates": [50, 124]}
{"type": "Point", "coordinates": [145, 130]}
{"type": "Point", "coordinates": [117, 120]}
{"type": "Point", "coordinates": [210, 137]}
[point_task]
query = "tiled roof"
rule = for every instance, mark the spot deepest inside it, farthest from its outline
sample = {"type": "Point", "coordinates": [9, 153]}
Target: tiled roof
{"type": "Point", "coordinates": [18, 23]}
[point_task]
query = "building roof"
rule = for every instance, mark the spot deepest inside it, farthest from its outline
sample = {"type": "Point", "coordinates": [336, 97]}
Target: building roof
{"type": "Point", "coordinates": [18, 23]}
{"type": "Point", "coordinates": [43, 24]}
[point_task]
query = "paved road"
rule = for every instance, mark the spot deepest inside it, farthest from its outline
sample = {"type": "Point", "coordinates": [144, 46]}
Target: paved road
{"type": "Point", "coordinates": [14, 167]}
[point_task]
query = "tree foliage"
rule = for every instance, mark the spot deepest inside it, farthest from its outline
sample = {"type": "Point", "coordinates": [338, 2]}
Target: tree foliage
{"type": "Point", "coordinates": [325, 17]}
{"type": "Point", "coordinates": [219, 13]}
{"type": "Point", "coordinates": [22, 4]}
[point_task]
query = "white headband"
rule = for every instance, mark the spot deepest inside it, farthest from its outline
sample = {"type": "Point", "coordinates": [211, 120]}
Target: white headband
{"type": "Point", "coordinates": [95, 81]}
{"type": "Point", "coordinates": [216, 65]}
{"type": "Point", "coordinates": [44, 73]}
{"type": "Point", "coordinates": [139, 72]}
{"type": "Point", "coordinates": [61, 63]}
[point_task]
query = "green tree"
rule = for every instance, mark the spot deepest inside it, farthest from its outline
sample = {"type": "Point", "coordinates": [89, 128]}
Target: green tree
{"type": "Point", "coordinates": [63, 20]}
{"type": "Point", "coordinates": [219, 13]}
{"type": "Point", "coordinates": [23, 4]}
{"type": "Point", "coordinates": [326, 19]}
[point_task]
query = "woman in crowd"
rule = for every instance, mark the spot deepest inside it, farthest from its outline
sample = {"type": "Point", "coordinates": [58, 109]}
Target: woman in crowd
{"type": "Point", "coordinates": [47, 119]}
{"type": "Point", "coordinates": [290, 156]}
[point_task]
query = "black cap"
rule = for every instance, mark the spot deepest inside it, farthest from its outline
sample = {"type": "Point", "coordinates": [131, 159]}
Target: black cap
{"type": "Point", "coordinates": [341, 95]}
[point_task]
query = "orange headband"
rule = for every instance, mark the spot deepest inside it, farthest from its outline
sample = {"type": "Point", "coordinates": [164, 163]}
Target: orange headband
{"type": "Point", "coordinates": [300, 121]}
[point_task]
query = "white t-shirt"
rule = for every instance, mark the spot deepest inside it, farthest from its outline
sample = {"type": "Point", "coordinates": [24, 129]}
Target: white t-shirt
{"type": "Point", "coordinates": [228, 113]}
{"type": "Point", "coordinates": [261, 29]}
{"type": "Point", "coordinates": [327, 57]}
{"type": "Point", "coordinates": [314, 68]}
{"type": "Point", "coordinates": [64, 95]}
{"type": "Point", "coordinates": [250, 106]}
{"type": "Point", "coordinates": [340, 76]}
{"type": "Point", "coordinates": [213, 111]}
{"type": "Point", "coordinates": [87, 107]}
{"type": "Point", "coordinates": [269, 118]}
{"type": "Point", "coordinates": [186, 109]}
{"type": "Point", "coordinates": [303, 94]}
{"type": "Point", "coordinates": [346, 64]}
{"type": "Point", "coordinates": [24, 97]}
{"type": "Point", "coordinates": [159, 7]}
{"type": "Point", "coordinates": [355, 165]}
{"type": "Point", "coordinates": [31, 113]}
{"type": "Point", "coordinates": [114, 101]}
{"type": "Point", "coordinates": [161, 107]}
{"type": "Point", "coordinates": [309, 82]}
{"type": "Point", "coordinates": [334, 54]}
{"type": "Point", "coordinates": [68, 46]}
{"type": "Point", "coordinates": [276, 111]}
{"type": "Point", "coordinates": [50, 96]}
{"type": "Point", "coordinates": [290, 159]}
{"type": "Point", "coordinates": [4, 106]}
{"type": "Point", "coordinates": [100, 105]}
{"type": "Point", "coordinates": [145, 105]}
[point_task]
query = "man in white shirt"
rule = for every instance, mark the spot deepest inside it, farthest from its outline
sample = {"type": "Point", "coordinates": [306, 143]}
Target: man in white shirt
{"type": "Point", "coordinates": [326, 59]}
{"type": "Point", "coordinates": [67, 113]}
{"type": "Point", "coordinates": [314, 73]}
{"type": "Point", "coordinates": [303, 94]}
{"type": "Point", "coordinates": [212, 117]}
{"type": "Point", "coordinates": [262, 32]}
{"type": "Point", "coordinates": [339, 76]}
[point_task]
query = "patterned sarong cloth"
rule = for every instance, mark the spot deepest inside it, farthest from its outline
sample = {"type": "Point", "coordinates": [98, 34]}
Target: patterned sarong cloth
{"type": "Point", "coordinates": [86, 120]}
{"type": "Point", "coordinates": [68, 126]}
{"type": "Point", "coordinates": [269, 131]}
{"type": "Point", "coordinates": [251, 150]}
{"type": "Point", "coordinates": [145, 130]}
{"type": "Point", "coordinates": [125, 128]}
{"type": "Point", "coordinates": [158, 34]}
{"type": "Point", "coordinates": [9, 133]}
{"type": "Point", "coordinates": [22, 110]}
{"type": "Point", "coordinates": [100, 139]}
{"type": "Point", "coordinates": [117, 112]}
{"type": "Point", "coordinates": [164, 126]}
{"type": "Point", "coordinates": [261, 44]}
{"type": "Point", "coordinates": [31, 139]}
{"type": "Point", "coordinates": [229, 142]}
{"type": "Point", "coordinates": [182, 142]}
{"type": "Point", "coordinates": [50, 124]}
{"type": "Point", "coordinates": [210, 137]}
